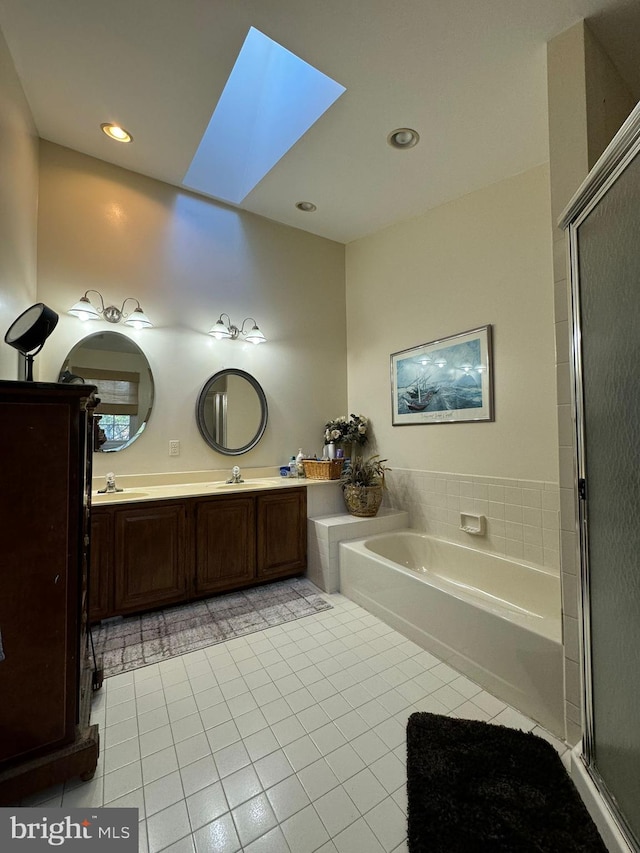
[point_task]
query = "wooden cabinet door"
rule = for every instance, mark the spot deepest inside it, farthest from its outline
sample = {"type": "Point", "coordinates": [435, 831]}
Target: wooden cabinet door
{"type": "Point", "coordinates": [282, 533]}
{"type": "Point", "coordinates": [101, 566]}
{"type": "Point", "coordinates": [225, 544]}
{"type": "Point", "coordinates": [149, 557]}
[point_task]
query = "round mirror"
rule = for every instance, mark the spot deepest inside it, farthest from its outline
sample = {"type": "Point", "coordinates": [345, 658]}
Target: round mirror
{"type": "Point", "coordinates": [232, 412]}
{"type": "Point", "coordinates": [119, 369]}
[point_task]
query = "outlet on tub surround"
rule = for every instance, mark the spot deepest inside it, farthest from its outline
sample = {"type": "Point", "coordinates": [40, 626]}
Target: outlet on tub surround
{"type": "Point", "coordinates": [522, 516]}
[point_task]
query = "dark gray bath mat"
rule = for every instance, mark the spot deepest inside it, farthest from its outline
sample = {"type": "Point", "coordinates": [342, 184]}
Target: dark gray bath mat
{"type": "Point", "coordinates": [480, 788]}
{"type": "Point", "coordinates": [136, 641]}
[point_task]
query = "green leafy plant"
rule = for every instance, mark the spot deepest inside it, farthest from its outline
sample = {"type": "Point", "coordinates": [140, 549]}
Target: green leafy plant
{"type": "Point", "coordinates": [364, 472]}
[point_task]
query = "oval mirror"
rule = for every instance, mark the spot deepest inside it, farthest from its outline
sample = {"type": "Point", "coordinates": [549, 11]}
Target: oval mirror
{"type": "Point", "coordinates": [232, 412]}
{"type": "Point", "coordinates": [121, 372]}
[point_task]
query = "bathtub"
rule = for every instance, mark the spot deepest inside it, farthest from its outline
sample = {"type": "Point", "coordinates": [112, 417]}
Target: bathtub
{"type": "Point", "coordinates": [493, 619]}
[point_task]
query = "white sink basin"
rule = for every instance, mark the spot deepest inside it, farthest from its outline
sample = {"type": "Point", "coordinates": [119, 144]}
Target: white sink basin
{"type": "Point", "coordinates": [248, 484]}
{"type": "Point", "coordinates": [109, 497]}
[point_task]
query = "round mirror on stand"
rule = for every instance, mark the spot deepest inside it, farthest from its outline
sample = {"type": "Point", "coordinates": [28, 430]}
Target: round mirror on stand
{"type": "Point", "coordinates": [231, 412]}
{"type": "Point", "coordinates": [120, 370]}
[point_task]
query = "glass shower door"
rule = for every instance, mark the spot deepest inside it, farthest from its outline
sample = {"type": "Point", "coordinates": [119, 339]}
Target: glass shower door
{"type": "Point", "coordinates": [606, 245]}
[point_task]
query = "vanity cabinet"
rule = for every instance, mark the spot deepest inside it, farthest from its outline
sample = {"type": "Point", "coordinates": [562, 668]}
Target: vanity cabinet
{"type": "Point", "coordinates": [45, 674]}
{"type": "Point", "coordinates": [224, 544]}
{"type": "Point", "coordinates": [149, 557]}
{"type": "Point", "coordinates": [152, 554]}
{"type": "Point", "coordinates": [281, 534]}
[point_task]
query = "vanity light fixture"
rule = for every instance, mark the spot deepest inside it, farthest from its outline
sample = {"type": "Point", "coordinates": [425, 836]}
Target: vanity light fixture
{"type": "Point", "coordinates": [115, 132]}
{"type": "Point", "coordinates": [85, 310]}
{"type": "Point", "coordinates": [403, 137]}
{"type": "Point", "coordinates": [222, 330]}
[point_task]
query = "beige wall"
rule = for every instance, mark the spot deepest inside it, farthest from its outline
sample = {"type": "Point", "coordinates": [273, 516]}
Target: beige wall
{"type": "Point", "coordinates": [18, 206]}
{"type": "Point", "coordinates": [484, 258]}
{"type": "Point", "coordinates": [588, 102]}
{"type": "Point", "coordinates": [187, 259]}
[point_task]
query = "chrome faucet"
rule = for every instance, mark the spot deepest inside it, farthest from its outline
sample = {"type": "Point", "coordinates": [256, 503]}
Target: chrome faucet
{"type": "Point", "coordinates": [110, 486]}
{"type": "Point", "coordinates": [235, 475]}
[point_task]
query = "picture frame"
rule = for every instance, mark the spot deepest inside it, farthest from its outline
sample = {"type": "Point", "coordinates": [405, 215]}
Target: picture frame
{"type": "Point", "coordinates": [449, 380]}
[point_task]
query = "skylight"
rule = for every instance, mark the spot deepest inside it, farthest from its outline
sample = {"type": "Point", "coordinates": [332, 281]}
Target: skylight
{"type": "Point", "coordinates": [272, 97]}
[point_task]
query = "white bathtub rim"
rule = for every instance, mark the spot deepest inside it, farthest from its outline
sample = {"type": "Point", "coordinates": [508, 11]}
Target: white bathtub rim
{"type": "Point", "coordinates": [549, 627]}
{"type": "Point", "coordinates": [403, 531]}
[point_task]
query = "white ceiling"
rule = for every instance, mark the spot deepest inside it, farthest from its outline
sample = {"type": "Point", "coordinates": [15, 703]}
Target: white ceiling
{"type": "Point", "coordinates": [469, 75]}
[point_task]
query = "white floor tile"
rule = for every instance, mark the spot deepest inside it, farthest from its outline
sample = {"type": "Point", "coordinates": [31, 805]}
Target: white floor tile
{"type": "Point", "coordinates": [163, 793]}
{"type": "Point", "coordinates": [241, 786]}
{"type": "Point", "coordinates": [287, 798]}
{"type": "Point", "coordinates": [167, 827]}
{"type": "Point", "coordinates": [337, 810]}
{"type": "Point", "coordinates": [219, 836]}
{"type": "Point", "coordinates": [345, 762]}
{"type": "Point", "coordinates": [365, 790]}
{"type": "Point", "coordinates": [273, 768]}
{"type": "Point", "coordinates": [155, 740]}
{"type": "Point", "coordinates": [358, 838]}
{"type": "Point", "coordinates": [388, 823]}
{"type": "Point", "coordinates": [198, 775]}
{"type": "Point", "coordinates": [304, 831]}
{"type": "Point", "coordinates": [192, 749]}
{"type": "Point", "coordinates": [122, 782]}
{"type": "Point", "coordinates": [206, 805]}
{"type": "Point", "coordinates": [253, 819]}
{"type": "Point", "coordinates": [231, 758]}
{"type": "Point", "coordinates": [289, 729]}
{"type": "Point", "coordinates": [261, 743]}
{"type": "Point", "coordinates": [159, 764]}
{"type": "Point", "coordinates": [273, 842]}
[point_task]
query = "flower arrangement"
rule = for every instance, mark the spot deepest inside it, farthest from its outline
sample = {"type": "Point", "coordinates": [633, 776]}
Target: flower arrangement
{"type": "Point", "coordinates": [347, 431]}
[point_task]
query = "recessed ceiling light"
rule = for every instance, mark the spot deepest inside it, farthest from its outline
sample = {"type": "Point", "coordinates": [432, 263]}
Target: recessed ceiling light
{"type": "Point", "coordinates": [116, 132]}
{"type": "Point", "coordinates": [306, 206]}
{"type": "Point", "coordinates": [403, 137]}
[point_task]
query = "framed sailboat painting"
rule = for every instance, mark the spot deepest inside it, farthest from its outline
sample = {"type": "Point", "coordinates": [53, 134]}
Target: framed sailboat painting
{"type": "Point", "coordinates": [444, 381]}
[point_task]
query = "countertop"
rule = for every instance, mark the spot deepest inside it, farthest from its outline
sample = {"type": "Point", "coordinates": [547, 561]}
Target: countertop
{"type": "Point", "coordinates": [166, 491]}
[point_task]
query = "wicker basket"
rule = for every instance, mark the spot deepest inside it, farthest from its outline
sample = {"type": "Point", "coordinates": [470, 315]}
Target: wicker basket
{"type": "Point", "coordinates": [363, 501]}
{"type": "Point", "coordinates": [322, 469]}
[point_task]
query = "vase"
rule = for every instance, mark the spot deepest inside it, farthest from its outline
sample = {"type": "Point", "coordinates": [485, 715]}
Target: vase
{"type": "Point", "coordinates": [363, 501]}
{"type": "Point", "coordinates": [331, 450]}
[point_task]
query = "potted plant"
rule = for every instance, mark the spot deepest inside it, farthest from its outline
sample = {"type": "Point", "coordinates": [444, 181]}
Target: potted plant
{"type": "Point", "coordinates": [362, 485]}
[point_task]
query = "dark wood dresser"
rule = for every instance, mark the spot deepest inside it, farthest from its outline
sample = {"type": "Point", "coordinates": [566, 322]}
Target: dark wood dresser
{"type": "Point", "coordinates": [45, 670]}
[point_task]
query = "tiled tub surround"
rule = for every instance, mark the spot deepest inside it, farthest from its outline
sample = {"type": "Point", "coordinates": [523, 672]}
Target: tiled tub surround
{"type": "Point", "coordinates": [522, 515]}
{"type": "Point", "coordinates": [325, 533]}
{"type": "Point", "coordinates": [290, 740]}
{"type": "Point", "coordinates": [493, 618]}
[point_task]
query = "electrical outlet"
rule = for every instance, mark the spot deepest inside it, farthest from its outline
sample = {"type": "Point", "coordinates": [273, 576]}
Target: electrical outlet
{"type": "Point", "coordinates": [174, 447]}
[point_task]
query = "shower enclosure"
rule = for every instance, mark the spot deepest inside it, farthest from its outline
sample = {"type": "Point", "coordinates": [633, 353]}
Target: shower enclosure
{"type": "Point", "coordinates": [603, 223]}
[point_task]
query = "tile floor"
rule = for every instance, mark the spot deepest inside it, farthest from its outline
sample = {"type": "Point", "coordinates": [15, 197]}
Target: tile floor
{"type": "Point", "coordinates": [290, 740]}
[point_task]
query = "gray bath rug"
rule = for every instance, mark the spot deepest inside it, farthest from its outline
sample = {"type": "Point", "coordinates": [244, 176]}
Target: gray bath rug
{"type": "Point", "coordinates": [135, 641]}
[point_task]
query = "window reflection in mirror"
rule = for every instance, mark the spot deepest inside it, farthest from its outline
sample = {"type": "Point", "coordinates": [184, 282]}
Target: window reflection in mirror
{"type": "Point", "coordinates": [232, 412]}
{"type": "Point", "coordinates": [119, 369]}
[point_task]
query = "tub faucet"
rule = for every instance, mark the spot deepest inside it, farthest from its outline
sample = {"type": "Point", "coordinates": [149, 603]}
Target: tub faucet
{"type": "Point", "coordinates": [235, 475]}
{"type": "Point", "coordinates": [110, 485]}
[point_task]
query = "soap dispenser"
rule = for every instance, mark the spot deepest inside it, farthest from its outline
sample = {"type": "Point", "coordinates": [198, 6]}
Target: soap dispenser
{"type": "Point", "coordinates": [293, 467]}
{"type": "Point", "coordinates": [299, 465]}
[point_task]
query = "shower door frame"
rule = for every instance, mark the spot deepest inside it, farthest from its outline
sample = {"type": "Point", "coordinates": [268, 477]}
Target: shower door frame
{"type": "Point", "coordinates": [618, 155]}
